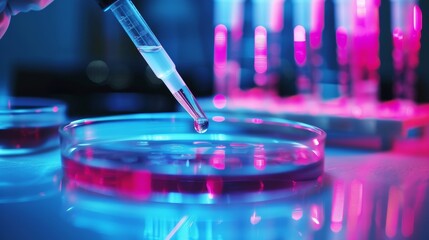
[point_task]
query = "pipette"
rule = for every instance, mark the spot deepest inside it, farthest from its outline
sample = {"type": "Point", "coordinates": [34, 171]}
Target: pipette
{"type": "Point", "coordinates": [156, 57]}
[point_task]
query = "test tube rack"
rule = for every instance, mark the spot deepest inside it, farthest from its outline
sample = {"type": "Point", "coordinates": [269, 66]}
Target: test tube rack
{"type": "Point", "coordinates": [373, 126]}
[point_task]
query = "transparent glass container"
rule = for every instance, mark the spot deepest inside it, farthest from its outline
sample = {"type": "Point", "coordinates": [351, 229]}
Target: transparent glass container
{"type": "Point", "coordinates": [29, 125]}
{"type": "Point", "coordinates": [160, 157]}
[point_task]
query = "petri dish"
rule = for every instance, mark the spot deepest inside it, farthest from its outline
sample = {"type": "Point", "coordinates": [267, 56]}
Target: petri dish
{"type": "Point", "coordinates": [29, 125]}
{"type": "Point", "coordinates": [161, 157]}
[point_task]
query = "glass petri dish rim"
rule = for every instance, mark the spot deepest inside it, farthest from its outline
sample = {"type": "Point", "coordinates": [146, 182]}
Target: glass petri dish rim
{"type": "Point", "coordinates": [34, 105]}
{"type": "Point", "coordinates": [319, 133]}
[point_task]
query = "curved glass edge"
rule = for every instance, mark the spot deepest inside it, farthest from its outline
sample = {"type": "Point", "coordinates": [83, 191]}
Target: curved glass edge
{"type": "Point", "coordinates": [320, 134]}
{"type": "Point", "coordinates": [35, 105]}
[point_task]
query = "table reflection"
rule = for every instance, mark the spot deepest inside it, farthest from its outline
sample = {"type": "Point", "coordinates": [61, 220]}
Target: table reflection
{"type": "Point", "coordinates": [367, 196]}
{"type": "Point", "coordinates": [30, 177]}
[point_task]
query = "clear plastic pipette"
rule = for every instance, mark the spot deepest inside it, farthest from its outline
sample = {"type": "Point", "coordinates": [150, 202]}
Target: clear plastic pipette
{"type": "Point", "coordinates": [156, 57]}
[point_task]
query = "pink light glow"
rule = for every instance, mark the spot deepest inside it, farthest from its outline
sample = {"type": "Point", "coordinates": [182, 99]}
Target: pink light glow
{"type": "Point", "coordinates": [55, 109]}
{"type": "Point", "coordinates": [297, 214]}
{"type": "Point", "coordinates": [214, 186]}
{"type": "Point", "coordinates": [261, 62]}
{"type": "Point", "coordinates": [260, 79]}
{"type": "Point", "coordinates": [407, 224]}
{"type": "Point", "coordinates": [342, 50]}
{"type": "Point", "coordinates": [218, 118]}
{"type": "Point", "coordinates": [217, 160]}
{"type": "Point", "coordinates": [303, 82]}
{"type": "Point", "coordinates": [316, 216]}
{"type": "Point", "coordinates": [417, 18]}
{"type": "Point", "coordinates": [398, 37]}
{"type": "Point", "coordinates": [317, 23]}
{"type": "Point", "coordinates": [237, 20]}
{"type": "Point", "coordinates": [276, 15]}
{"type": "Point", "coordinates": [259, 159]}
{"type": "Point", "coordinates": [393, 204]}
{"type": "Point", "coordinates": [354, 209]}
{"type": "Point", "coordinates": [257, 121]}
{"type": "Point", "coordinates": [220, 49]}
{"type": "Point", "coordinates": [89, 153]}
{"type": "Point", "coordinates": [361, 8]}
{"type": "Point", "coordinates": [341, 36]}
{"type": "Point", "coordinates": [299, 34]}
{"type": "Point", "coordinates": [219, 101]}
{"type": "Point", "coordinates": [316, 142]}
{"type": "Point", "coordinates": [355, 203]}
{"type": "Point", "coordinates": [255, 219]}
{"type": "Point", "coordinates": [86, 122]}
{"type": "Point", "coordinates": [317, 15]}
{"type": "Point", "coordinates": [337, 206]}
{"type": "Point", "coordinates": [315, 39]}
{"type": "Point", "coordinates": [300, 52]}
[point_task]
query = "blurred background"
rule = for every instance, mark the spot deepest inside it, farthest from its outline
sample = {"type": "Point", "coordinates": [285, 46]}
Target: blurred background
{"type": "Point", "coordinates": [74, 51]}
{"type": "Point", "coordinates": [263, 51]}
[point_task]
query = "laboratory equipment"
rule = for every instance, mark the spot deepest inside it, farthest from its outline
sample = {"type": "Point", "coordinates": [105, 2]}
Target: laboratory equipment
{"type": "Point", "coordinates": [156, 57]}
{"type": "Point", "coordinates": [228, 41]}
{"type": "Point", "coordinates": [406, 26]}
{"type": "Point", "coordinates": [353, 113]}
{"type": "Point", "coordinates": [307, 32]}
{"type": "Point", "coordinates": [29, 125]}
{"type": "Point", "coordinates": [267, 24]}
{"type": "Point", "coordinates": [159, 157]}
{"type": "Point", "coordinates": [364, 55]}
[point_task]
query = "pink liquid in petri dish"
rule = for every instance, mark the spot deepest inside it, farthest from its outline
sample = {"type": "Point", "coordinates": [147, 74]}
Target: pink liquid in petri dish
{"type": "Point", "coordinates": [135, 169]}
{"type": "Point", "coordinates": [147, 156]}
{"type": "Point", "coordinates": [27, 137]}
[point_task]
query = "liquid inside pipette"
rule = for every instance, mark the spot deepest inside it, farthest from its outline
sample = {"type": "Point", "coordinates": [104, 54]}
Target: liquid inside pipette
{"type": "Point", "coordinates": [156, 57]}
{"type": "Point", "coordinates": [164, 68]}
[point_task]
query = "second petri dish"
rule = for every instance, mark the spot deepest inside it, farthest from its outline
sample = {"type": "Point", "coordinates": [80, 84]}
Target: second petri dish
{"type": "Point", "coordinates": [160, 157]}
{"type": "Point", "coordinates": [29, 125]}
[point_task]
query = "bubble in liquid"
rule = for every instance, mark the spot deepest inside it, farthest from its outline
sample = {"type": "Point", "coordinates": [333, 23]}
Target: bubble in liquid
{"type": "Point", "coordinates": [201, 125]}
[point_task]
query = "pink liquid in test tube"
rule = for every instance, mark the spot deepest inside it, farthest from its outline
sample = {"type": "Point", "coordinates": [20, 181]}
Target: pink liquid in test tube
{"type": "Point", "coordinates": [220, 50]}
{"type": "Point", "coordinates": [317, 23]}
{"type": "Point", "coordinates": [300, 51]}
{"type": "Point", "coordinates": [260, 63]}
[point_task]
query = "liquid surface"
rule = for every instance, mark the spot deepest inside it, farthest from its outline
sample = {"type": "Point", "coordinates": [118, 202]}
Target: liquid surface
{"type": "Point", "coordinates": [164, 68]}
{"type": "Point", "coordinates": [158, 60]}
{"type": "Point", "coordinates": [139, 168]}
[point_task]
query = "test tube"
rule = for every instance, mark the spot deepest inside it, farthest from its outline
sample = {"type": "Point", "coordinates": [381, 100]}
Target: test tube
{"type": "Point", "coordinates": [156, 57]}
{"type": "Point", "coordinates": [228, 37]}
{"type": "Point", "coordinates": [343, 24]}
{"type": "Point", "coordinates": [308, 30]}
{"type": "Point", "coordinates": [268, 26]}
{"type": "Point", "coordinates": [406, 28]}
{"type": "Point", "coordinates": [365, 60]}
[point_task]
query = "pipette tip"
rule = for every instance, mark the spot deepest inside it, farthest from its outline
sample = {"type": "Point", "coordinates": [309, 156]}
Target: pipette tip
{"type": "Point", "coordinates": [190, 104]}
{"type": "Point", "coordinates": [201, 125]}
